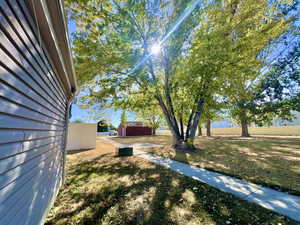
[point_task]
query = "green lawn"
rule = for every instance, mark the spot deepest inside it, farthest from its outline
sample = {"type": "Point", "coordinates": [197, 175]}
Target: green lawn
{"type": "Point", "coordinates": [270, 161]}
{"type": "Point", "coordinates": [103, 189]}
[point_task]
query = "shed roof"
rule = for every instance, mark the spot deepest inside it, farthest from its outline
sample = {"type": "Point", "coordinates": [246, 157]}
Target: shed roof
{"type": "Point", "coordinates": [133, 123]}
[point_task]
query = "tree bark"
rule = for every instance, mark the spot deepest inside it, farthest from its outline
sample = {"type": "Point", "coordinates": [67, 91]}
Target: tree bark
{"type": "Point", "coordinates": [245, 132]}
{"type": "Point", "coordinates": [167, 107]}
{"type": "Point", "coordinates": [186, 144]}
{"type": "Point", "coordinates": [244, 123]}
{"type": "Point", "coordinates": [187, 133]}
{"type": "Point", "coordinates": [174, 128]}
{"type": "Point", "coordinates": [196, 118]}
{"type": "Point", "coordinates": [169, 103]}
{"type": "Point", "coordinates": [179, 141]}
{"type": "Point", "coordinates": [181, 127]}
{"type": "Point", "coordinates": [153, 131]}
{"type": "Point", "coordinates": [208, 126]}
{"type": "Point", "coordinates": [199, 130]}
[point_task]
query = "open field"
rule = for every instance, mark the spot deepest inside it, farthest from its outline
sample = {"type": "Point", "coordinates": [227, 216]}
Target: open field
{"type": "Point", "coordinates": [270, 161]}
{"type": "Point", "coordinates": [272, 131]}
{"type": "Point", "coordinates": [282, 131]}
{"type": "Point", "coordinates": [103, 189]}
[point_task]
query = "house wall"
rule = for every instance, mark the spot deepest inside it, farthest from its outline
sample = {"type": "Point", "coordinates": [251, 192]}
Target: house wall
{"type": "Point", "coordinates": [33, 115]}
{"type": "Point", "coordinates": [81, 136]}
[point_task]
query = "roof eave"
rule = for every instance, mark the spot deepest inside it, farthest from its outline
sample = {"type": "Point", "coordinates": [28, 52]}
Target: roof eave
{"type": "Point", "coordinates": [50, 18]}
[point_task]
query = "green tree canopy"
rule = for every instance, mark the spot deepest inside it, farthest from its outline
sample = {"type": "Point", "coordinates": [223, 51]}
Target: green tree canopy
{"type": "Point", "coordinates": [206, 49]}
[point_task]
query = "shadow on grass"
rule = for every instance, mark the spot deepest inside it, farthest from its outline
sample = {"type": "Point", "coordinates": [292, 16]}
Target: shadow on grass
{"type": "Point", "coordinates": [109, 190]}
{"type": "Point", "coordinates": [72, 152]}
{"type": "Point", "coordinates": [269, 161]}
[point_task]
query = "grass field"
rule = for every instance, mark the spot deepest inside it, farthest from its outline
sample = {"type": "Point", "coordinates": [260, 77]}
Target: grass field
{"type": "Point", "coordinates": [272, 131]}
{"type": "Point", "coordinates": [281, 131]}
{"type": "Point", "coordinates": [103, 189]}
{"type": "Point", "coordinates": [270, 161]}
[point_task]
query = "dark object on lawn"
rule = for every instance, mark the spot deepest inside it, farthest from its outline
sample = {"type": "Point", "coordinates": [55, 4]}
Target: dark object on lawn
{"type": "Point", "coordinates": [125, 151]}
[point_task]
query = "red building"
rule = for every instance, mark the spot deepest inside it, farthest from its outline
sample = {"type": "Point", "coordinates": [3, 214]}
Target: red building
{"type": "Point", "coordinates": [134, 129]}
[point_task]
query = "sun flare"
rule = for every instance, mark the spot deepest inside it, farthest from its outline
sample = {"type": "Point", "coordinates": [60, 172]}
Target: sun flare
{"type": "Point", "coordinates": [155, 49]}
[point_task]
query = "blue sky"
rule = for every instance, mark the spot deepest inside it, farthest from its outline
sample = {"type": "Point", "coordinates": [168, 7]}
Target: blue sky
{"type": "Point", "coordinates": [113, 116]}
{"type": "Point", "coordinates": [110, 115]}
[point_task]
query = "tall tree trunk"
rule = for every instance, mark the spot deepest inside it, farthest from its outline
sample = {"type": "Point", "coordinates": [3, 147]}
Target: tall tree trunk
{"type": "Point", "coordinates": [193, 125]}
{"type": "Point", "coordinates": [186, 144]}
{"type": "Point", "coordinates": [245, 132]}
{"type": "Point", "coordinates": [196, 119]}
{"type": "Point", "coordinates": [244, 123]}
{"type": "Point", "coordinates": [167, 107]}
{"type": "Point", "coordinates": [199, 130]}
{"type": "Point", "coordinates": [153, 131]}
{"type": "Point", "coordinates": [177, 140]}
{"type": "Point", "coordinates": [169, 103]}
{"type": "Point", "coordinates": [187, 132]}
{"type": "Point", "coordinates": [181, 127]}
{"type": "Point", "coordinates": [208, 126]}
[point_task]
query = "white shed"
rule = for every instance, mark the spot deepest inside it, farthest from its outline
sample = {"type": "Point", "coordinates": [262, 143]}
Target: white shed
{"type": "Point", "coordinates": [81, 136]}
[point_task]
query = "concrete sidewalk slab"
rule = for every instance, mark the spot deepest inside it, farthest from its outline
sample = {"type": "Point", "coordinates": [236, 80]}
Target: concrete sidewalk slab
{"type": "Point", "coordinates": [283, 203]}
{"type": "Point", "coordinates": [144, 145]}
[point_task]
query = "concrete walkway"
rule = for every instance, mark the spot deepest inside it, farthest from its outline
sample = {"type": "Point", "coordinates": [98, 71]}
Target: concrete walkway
{"type": "Point", "coordinates": [285, 204]}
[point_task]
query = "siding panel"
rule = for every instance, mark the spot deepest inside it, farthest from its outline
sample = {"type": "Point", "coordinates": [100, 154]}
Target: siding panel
{"type": "Point", "coordinates": [31, 32]}
{"type": "Point", "coordinates": [16, 77]}
{"type": "Point", "coordinates": [35, 48]}
{"type": "Point", "coordinates": [14, 59]}
{"type": "Point", "coordinates": [11, 149]}
{"type": "Point", "coordinates": [26, 157]}
{"type": "Point", "coordinates": [23, 98]}
{"type": "Point", "coordinates": [33, 112]}
{"type": "Point", "coordinates": [11, 136]}
{"type": "Point", "coordinates": [10, 107]}
{"type": "Point", "coordinates": [14, 122]}
{"type": "Point", "coordinates": [8, 191]}
{"type": "Point", "coordinates": [14, 31]}
{"type": "Point", "coordinates": [16, 172]}
{"type": "Point", "coordinates": [34, 184]}
{"type": "Point", "coordinates": [10, 205]}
